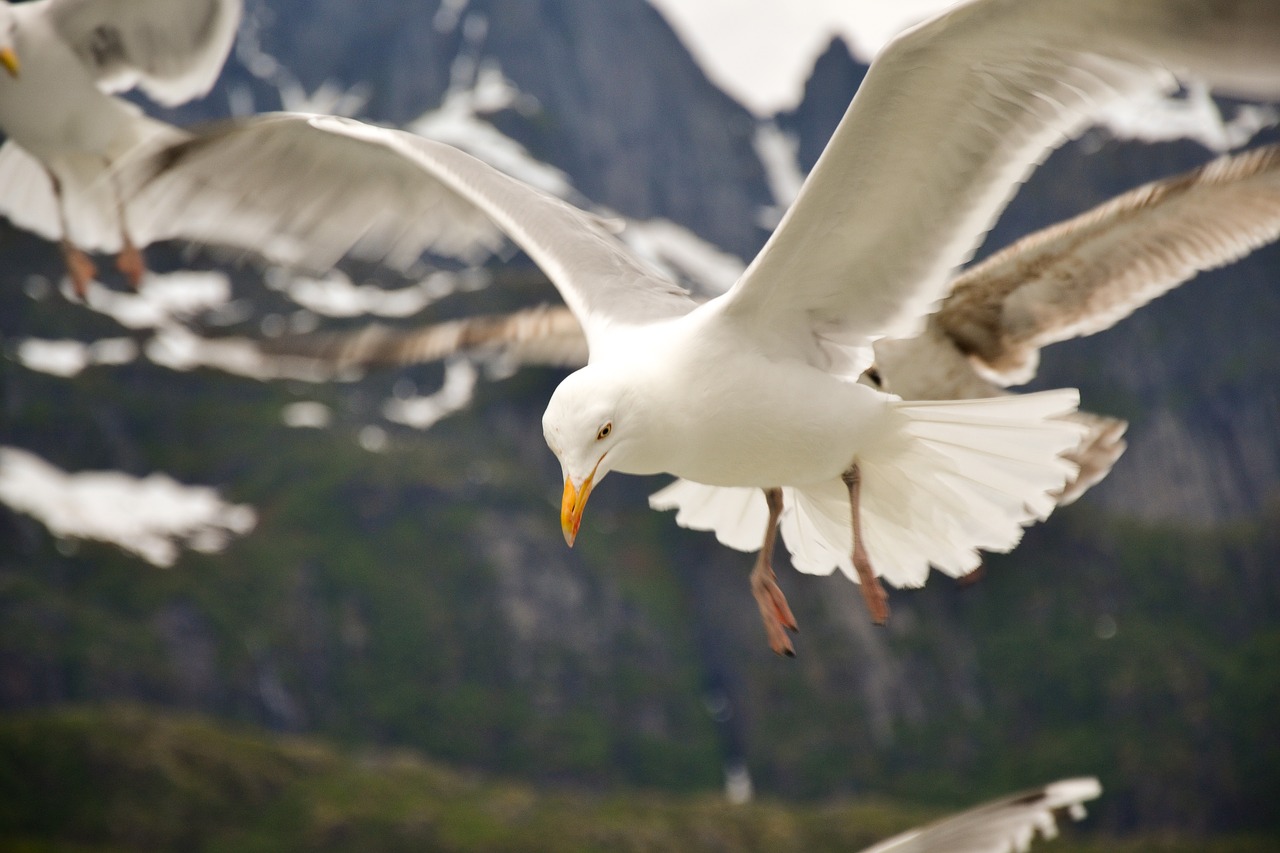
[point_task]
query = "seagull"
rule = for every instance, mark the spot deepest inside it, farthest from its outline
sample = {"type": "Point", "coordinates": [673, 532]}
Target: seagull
{"type": "Point", "coordinates": [1000, 826]}
{"type": "Point", "coordinates": [1076, 278]}
{"type": "Point", "coordinates": [65, 129]}
{"type": "Point", "coordinates": [752, 399]}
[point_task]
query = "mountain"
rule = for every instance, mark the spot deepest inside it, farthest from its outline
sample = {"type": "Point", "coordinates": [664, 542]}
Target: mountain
{"type": "Point", "coordinates": [402, 588]}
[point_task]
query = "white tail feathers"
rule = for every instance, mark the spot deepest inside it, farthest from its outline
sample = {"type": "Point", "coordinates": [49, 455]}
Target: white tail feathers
{"type": "Point", "coordinates": [737, 516]}
{"type": "Point", "coordinates": [957, 477]}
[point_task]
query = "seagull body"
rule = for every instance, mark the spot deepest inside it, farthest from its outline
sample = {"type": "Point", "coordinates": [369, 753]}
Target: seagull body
{"type": "Point", "coordinates": [702, 378]}
{"type": "Point", "coordinates": [753, 398]}
{"type": "Point", "coordinates": [65, 129]}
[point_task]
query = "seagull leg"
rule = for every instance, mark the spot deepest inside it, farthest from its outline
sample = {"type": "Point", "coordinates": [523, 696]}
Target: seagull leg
{"type": "Point", "coordinates": [872, 591]}
{"type": "Point", "coordinates": [764, 585]}
{"type": "Point", "coordinates": [130, 261]}
{"type": "Point", "coordinates": [80, 269]}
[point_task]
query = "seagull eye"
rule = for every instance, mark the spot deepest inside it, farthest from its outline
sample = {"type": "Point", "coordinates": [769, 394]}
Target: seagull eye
{"type": "Point", "coordinates": [604, 431]}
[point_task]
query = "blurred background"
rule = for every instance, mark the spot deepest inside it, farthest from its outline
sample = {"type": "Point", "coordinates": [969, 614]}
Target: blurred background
{"type": "Point", "coordinates": [342, 608]}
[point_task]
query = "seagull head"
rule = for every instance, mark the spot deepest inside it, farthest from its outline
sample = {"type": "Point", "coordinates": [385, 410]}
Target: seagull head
{"type": "Point", "coordinates": [8, 29]}
{"type": "Point", "coordinates": [585, 425]}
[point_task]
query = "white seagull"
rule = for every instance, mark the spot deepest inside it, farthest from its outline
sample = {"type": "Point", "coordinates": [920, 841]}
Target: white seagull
{"type": "Point", "coordinates": [752, 398]}
{"type": "Point", "coordinates": [1076, 278]}
{"type": "Point", "coordinates": [66, 131]}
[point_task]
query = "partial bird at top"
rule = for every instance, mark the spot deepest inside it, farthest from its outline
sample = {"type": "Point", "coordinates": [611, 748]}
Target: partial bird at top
{"type": "Point", "coordinates": [1073, 279]}
{"type": "Point", "coordinates": [66, 131]}
{"type": "Point", "coordinates": [753, 398]}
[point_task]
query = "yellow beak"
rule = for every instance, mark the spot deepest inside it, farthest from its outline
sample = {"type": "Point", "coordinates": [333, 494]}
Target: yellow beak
{"type": "Point", "coordinates": [9, 60]}
{"type": "Point", "coordinates": [571, 506]}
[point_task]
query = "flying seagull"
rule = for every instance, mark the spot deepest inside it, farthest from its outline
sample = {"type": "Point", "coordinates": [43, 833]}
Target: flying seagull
{"type": "Point", "coordinates": [753, 398]}
{"type": "Point", "coordinates": [1000, 826]}
{"type": "Point", "coordinates": [65, 129]}
{"type": "Point", "coordinates": [1074, 279]}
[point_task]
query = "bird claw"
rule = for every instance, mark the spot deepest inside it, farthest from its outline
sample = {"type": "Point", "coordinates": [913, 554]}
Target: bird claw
{"type": "Point", "coordinates": [877, 600]}
{"type": "Point", "coordinates": [774, 610]}
{"type": "Point", "coordinates": [132, 265]}
{"type": "Point", "coordinates": [80, 269]}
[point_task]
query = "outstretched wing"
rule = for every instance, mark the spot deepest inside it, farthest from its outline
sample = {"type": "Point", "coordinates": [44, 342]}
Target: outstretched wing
{"type": "Point", "coordinates": [545, 335]}
{"type": "Point", "coordinates": [172, 49]}
{"type": "Point", "coordinates": [949, 120]}
{"type": "Point", "coordinates": [1086, 274]}
{"type": "Point", "coordinates": [1001, 826]}
{"type": "Point", "coordinates": [306, 190]}
{"type": "Point", "coordinates": [1080, 277]}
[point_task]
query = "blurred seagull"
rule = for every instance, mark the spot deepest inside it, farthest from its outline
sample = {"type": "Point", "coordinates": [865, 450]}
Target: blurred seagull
{"type": "Point", "coordinates": [65, 130]}
{"type": "Point", "coordinates": [1001, 826]}
{"type": "Point", "coordinates": [1076, 278]}
{"type": "Point", "coordinates": [753, 398]}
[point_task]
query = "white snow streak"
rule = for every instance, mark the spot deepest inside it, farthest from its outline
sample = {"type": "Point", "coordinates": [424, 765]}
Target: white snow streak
{"type": "Point", "coordinates": [152, 517]}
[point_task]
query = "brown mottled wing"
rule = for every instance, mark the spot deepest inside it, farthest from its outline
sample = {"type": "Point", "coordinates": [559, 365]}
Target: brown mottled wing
{"type": "Point", "coordinates": [545, 335]}
{"type": "Point", "coordinates": [1088, 273]}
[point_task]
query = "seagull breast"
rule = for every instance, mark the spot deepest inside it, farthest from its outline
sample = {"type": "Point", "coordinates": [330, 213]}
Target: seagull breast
{"type": "Point", "coordinates": [719, 410]}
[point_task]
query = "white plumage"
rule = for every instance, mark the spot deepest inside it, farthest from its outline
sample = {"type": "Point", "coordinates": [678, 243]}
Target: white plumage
{"type": "Point", "coordinates": [66, 131]}
{"type": "Point", "coordinates": [758, 388]}
{"type": "Point", "coordinates": [1007, 825]}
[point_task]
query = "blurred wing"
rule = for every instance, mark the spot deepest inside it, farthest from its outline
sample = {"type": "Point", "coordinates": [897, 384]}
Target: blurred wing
{"type": "Point", "coordinates": [1000, 826]}
{"type": "Point", "coordinates": [1088, 273]}
{"type": "Point", "coordinates": [544, 335]}
{"type": "Point", "coordinates": [307, 190]}
{"type": "Point", "coordinates": [1101, 447]}
{"type": "Point", "coordinates": [950, 119]}
{"type": "Point", "coordinates": [173, 49]}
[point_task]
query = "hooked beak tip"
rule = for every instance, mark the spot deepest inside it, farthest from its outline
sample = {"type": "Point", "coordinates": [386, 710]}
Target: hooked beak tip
{"type": "Point", "coordinates": [571, 506]}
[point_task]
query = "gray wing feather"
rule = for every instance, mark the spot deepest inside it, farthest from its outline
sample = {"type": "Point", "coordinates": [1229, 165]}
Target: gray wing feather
{"type": "Point", "coordinates": [307, 190]}
{"type": "Point", "coordinates": [172, 49]}
{"type": "Point", "coordinates": [950, 119]}
{"type": "Point", "coordinates": [1001, 826]}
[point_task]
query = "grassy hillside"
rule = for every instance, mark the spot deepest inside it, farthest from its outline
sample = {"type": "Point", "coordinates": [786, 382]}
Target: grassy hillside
{"type": "Point", "coordinates": [125, 779]}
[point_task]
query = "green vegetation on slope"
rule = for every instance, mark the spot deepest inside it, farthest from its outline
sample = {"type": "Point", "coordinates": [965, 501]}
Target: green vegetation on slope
{"type": "Point", "coordinates": [125, 779]}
